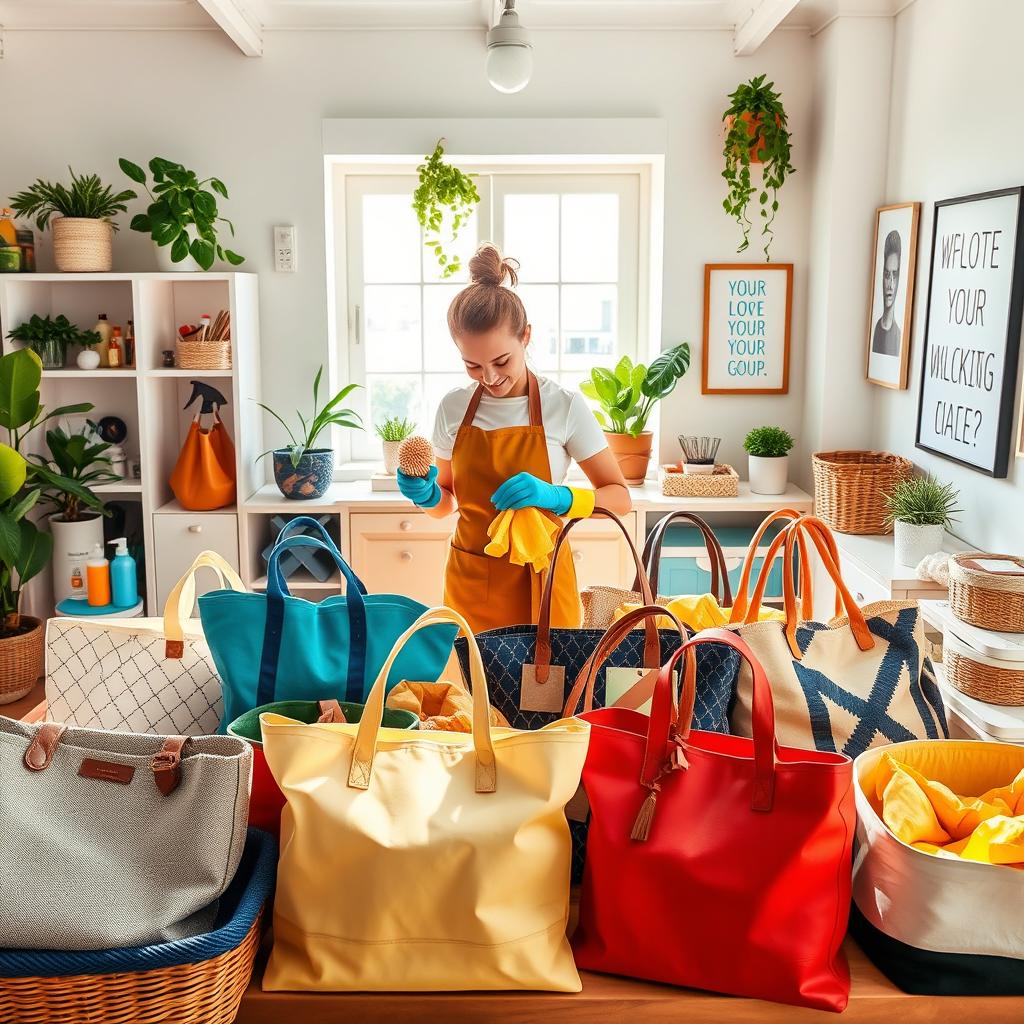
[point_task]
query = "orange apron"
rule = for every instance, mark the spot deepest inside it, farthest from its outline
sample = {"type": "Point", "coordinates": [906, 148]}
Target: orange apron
{"type": "Point", "coordinates": [492, 592]}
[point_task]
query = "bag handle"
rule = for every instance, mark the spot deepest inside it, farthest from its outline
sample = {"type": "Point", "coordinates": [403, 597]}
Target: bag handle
{"type": "Point", "coordinates": [542, 650]}
{"type": "Point", "coordinates": [656, 540]}
{"type": "Point", "coordinates": [613, 636]}
{"type": "Point", "coordinates": [361, 768]}
{"type": "Point", "coordinates": [667, 735]}
{"type": "Point", "coordinates": [181, 601]}
{"type": "Point", "coordinates": [276, 582]}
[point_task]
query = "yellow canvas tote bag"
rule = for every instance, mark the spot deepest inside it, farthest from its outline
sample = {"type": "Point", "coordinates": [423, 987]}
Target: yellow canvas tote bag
{"type": "Point", "coordinates": [425, 860]}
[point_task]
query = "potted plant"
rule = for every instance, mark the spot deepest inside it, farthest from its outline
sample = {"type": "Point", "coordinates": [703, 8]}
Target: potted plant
{"type": "Point", "coordinates": [627, 396]}
{"type": "Point", "coordinates": [182, 216]}
{"type": "Point", "coordinates": [48, 338]}
{"type": "Point", "coordinates": [301, 470]}
{"type": "Point", "coordinates": [443, 188]}
{"type": "Point", "coordinates": [755, 133]}
{"type": "Point", "coordinates": [919, 509]}
{"type": "Point", "coordinates": [82, 218]}
{"type": "Point", "coordinates": [768, 463]}
{"type": "Point", "coordinates": [392, 432]}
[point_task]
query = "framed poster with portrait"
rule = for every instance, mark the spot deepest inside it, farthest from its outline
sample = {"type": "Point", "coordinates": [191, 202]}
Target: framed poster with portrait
{"type": "Point", "coordinates": [891, 303]}
{"type": "Point", "coordinates": [972, 331]}
{"type": "Point", "coordinates": [747, 312]}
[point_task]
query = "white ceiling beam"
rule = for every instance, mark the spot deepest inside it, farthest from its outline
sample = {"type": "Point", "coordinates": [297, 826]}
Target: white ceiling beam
{"type": "Point", "coordinates": [762, 21]}
{"type": "Point", "coordinates": [235, 20]}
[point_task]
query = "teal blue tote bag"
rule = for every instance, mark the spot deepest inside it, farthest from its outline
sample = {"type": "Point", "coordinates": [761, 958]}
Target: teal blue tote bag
{"type": "Point", "coordinates": [273, 646]}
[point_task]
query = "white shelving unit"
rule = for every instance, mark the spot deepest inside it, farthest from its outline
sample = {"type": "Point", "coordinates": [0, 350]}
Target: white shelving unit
{"type": "Point", "coordinates": [150, 399]}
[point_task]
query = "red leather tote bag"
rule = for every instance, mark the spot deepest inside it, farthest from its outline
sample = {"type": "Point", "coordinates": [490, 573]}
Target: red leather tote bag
{"type": "Point", "coordinates": [715, 862]}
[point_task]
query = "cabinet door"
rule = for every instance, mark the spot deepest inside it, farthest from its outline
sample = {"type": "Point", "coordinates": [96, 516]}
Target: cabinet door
{"type": "Point", "coordinates": [401, 553]}
{"type": "Point", "coordinates": [601, 554]}
{"type": "Point", "coordinates": [179, 537]}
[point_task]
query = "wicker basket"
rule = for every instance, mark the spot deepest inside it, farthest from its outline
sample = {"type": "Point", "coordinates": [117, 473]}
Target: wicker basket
{"type": "Point", "coordinates": [21, 662]}
{"type": "Point", "coordinates": [723, 483]}
{"type": "Point", "coordinates": [203, 355]}
{"type": "Point", "coordinates": [990, 600]}
{"type": "Point", "coordinates": [982, 677]}
{"type": "Point", "coordinates": [82, 245]}
{"type": "Point", "coordinates": [850, 488]}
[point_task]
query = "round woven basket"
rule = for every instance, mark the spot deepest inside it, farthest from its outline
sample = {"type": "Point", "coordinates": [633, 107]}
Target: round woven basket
{"type": "Point", "coordinates": [982, 679]}
{"type": "Point", "coordinates": [82, 245]}
{"type": "Point", "coordinates": [203, 355]}
{"type": "Point", "coordinates": [850, 488]}
{"type": "Point", "coordinates": [21, 661]}
{"type": "Point", "coordinates": [986, 599]}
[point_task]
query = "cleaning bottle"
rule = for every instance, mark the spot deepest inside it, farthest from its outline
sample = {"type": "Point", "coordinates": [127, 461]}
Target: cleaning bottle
{"type": "Point", "coordinates": [115, 355]}
{"type": "Point", "coordinates": [123, 580]}
{"type": "Point", "coordinates": [104, 330]}
{"type": "Point", "coordinates": [97, 576]}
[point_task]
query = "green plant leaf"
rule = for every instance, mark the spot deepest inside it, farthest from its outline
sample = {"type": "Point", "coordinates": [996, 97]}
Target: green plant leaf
{"type": "Point", "coordinates": [179, 249]}
{"type": "Point", "coordinates": [205, 205]}
{"type": "Point", "coordinates": [606, 384]}
{"type": "Point", "coordinates": [202, 252]}
{"type": "Point", "coordinates": [20, 374]}
{"type": "Point", "coordinates": [142, 222]}
{"type": "Point", "coordinates": [35, 549]}
{"type": "Point", "coordinates": [13, 469]}
{"type": "Point", "coordinates": [10, 540]}
{"type": "Point", "coordinates": [665, 371]}
{"type": "Point", "coordinates": [166, 231]}
{"type": "Point", "coordinates": [218, 186]}
{"type": "Point", "coordinates": [588, 389]}
{"type": "Point", "coordinates": [624, 370]}
{"type": "Point", "coordinates": [134, 171]}
{"type": "Point", "coordinates": [26, 504]}
{"type": "Point", "coordinates": [233, 258]}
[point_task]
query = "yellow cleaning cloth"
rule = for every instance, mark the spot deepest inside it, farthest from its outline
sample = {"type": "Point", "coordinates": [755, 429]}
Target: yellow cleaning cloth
{"type": "Point", "coordinates": [446, 707]}
{"type": "Point", "coordinates": [699, 612]}
{"type": "Point", "coordinates": [527, 535]}
{"type": "Point", "coordinates": [931, 817]}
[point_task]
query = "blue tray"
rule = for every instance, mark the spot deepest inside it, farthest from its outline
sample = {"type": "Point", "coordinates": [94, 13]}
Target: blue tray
{"type": "Point", "coordinates": [248, 891]}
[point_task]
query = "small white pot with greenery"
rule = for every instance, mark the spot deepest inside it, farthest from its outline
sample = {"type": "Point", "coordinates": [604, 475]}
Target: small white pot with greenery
{"type": "Point", "coordinates": [768, 450]}
{"type": "Point", "coordinates": [392, 432]}
{"type": "Point", "coordinates": [920, 509]}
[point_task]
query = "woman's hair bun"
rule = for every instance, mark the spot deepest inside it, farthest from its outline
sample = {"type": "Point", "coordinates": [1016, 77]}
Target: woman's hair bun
{"type": "Point", "coordinates": [488, 267]}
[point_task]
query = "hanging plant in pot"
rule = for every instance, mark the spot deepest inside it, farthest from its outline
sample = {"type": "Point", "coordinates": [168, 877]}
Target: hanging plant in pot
{"type": "Point", "coordinates": [392, 432]}
{"type": "Point", "coordinates": [755, 134]}
{"type": "Point", "coordinates": [920, 509]}
{"type": "Point", "coordinates": [627, 396]}
{"type": "Point", "coordinates": [768, 451]}
{"type": "Point", "coordinates": [182, 216]}
{"type": "Point", "coordinates": [301, 470]}
{"type": "Point", "coordinates": [444, 194]}
{"type": "Point", "coordinates": [82, 218]}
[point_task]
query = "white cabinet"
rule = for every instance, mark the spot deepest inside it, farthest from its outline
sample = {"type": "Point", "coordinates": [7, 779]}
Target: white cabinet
{"type": "Point", "coordinates": [179, 537]}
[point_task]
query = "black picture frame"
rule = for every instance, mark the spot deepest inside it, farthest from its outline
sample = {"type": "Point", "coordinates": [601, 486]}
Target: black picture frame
{"type": "Point", "coordinates": [1007, 396]}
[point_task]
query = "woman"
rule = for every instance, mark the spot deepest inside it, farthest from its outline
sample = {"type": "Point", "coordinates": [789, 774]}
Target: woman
{"type": "Point", "coordinates": [506, 442]}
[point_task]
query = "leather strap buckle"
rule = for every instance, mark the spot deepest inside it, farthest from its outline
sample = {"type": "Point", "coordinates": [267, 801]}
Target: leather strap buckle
{"type": "Point", "coordinates": [40, 751]}
{"type": "Point", "coordinates": [166, 764]}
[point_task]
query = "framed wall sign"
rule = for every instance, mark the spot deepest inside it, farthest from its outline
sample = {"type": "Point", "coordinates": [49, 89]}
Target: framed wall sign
{"type": "Point", "coordinates": [972, 331]}
{"type": "Point", "coordinates": [891, 302]}
{"type": "Point", "coordinates": [747, 311]}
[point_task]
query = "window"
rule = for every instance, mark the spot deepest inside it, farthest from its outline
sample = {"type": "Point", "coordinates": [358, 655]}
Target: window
{"type": "Point", "coordinates": [576, 236]}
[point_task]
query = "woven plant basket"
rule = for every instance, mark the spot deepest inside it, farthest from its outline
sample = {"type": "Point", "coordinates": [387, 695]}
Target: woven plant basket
{"type": "Point", "coordinates": [82, 245]}
{"type": "Point", "coordinates": [723, 483]}
{"type": "Point", "coordinates": [986, 599]}
{"type": "Point", "coordinates": [981, 677]}
{"type": "Point", "coordinates": [21, 661]}
{"type": "Point", "coordinates": [203, 355]}
{"type": "Point", "coordinates": [850, 488]}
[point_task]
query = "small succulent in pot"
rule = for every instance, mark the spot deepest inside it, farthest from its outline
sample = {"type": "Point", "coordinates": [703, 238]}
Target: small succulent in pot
{"type": "Point", "coordinates": [392, 432]}
{"type": "Point", "coordinates": [920, 509]}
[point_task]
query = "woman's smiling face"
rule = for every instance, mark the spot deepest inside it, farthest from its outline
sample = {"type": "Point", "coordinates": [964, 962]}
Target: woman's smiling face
{"type": "Point", "coordinates": [496, 359]}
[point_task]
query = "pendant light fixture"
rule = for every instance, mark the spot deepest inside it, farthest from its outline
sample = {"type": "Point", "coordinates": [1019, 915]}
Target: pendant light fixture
{"type": "Point", "coordinates": [509, 52]}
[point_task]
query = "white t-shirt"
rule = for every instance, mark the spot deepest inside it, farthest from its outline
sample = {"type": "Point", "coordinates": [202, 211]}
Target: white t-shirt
{"type": "Point", "coordinates": [571, 429]}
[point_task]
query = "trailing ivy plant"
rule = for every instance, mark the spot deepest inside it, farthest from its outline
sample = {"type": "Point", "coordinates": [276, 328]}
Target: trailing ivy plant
{"type": "Point", "coordinates": [180, 200]}
{"type": "Point", "coordinates": [769, 143]}
{"type": "Point", "coordinates": [443, 187]}
{"type": "Point", "coordinates": [87, 197]}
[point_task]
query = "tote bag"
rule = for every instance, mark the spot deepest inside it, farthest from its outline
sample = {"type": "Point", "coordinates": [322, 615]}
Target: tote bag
{"type": "Point", "coordinates": [425, 860]}
{"type": "Point", "coordinates": [273, 646]}
{"type": "Point", "coordinates": [138, 675]}
{"type": "Point", "coordinates": [859, 681]}
{"type": "Point", "coordinates": [715, 862]}
{"type": "Point", "coordinates": [204, 475]}
{"type": "Point", "coordinates": [114, 839]}
{"type": "Point", "coordinates": [531, 668]}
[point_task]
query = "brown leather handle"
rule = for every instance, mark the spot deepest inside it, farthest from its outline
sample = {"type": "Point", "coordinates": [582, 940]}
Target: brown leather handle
{"type": "Point", "coordinates": [166, 764]}
{"type": "Point", "coordinates": [542, 651]}
{"type": "Point", "coordinates": [656, 540]}
{"type": "Point", "coordinates": [741, 598]}
{"type": "Point", "coordinates": [613, 636]}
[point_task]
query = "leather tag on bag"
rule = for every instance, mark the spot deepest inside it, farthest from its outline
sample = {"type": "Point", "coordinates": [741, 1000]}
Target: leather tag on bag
{"type": "Point", "coordinates": [106, 771]}
{"type": "Point", "coordinates": [547, 696]}
{"type": "Point", "coordinates": [630, 688]}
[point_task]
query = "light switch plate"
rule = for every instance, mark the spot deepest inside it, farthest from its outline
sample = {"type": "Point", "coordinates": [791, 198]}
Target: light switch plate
{"type": "Point", "coordinates": [285, 254]}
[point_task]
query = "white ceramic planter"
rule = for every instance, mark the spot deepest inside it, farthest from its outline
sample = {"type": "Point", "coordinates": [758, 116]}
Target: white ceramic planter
{"type": "Point", "coordinates": [768, 476]}
{"type": "Point", "coordinates": [915, 542]}
{"type": "Point", "coordinates": [88, 359]}
{"type": "Point", "coordinates": [166, 264]}
{"type": "Point", "coordinates": [72, 545]}
{"type": "Point", "coordinates": [391, 456]}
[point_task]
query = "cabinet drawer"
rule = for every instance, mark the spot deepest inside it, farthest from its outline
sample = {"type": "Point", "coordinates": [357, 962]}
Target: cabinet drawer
{"type": "Point", "coordinates": [179, 537]}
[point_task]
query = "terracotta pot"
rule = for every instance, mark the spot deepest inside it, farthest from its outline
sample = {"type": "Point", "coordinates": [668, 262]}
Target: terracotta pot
{"type": "Point", "coordinates": [753, 122]}
{"type": "Point", "coordinates": [21, 661]}
{"type": "Point", "coordinates": [632, 453]}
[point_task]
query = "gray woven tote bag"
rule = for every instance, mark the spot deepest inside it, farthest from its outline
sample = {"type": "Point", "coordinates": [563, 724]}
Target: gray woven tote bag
{"type": "Point", "coordinates": [115, 839]}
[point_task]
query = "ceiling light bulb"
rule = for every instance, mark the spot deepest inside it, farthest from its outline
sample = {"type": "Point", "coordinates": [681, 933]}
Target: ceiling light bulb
{"type": "Point", "coordinates": [509, 53]}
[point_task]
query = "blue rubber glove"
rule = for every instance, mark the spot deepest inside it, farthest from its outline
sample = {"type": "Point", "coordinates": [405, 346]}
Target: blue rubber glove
{"type": "Point", "coordinates": [524, 490]}
{"type": "Point", "coordinates": [423, 491]}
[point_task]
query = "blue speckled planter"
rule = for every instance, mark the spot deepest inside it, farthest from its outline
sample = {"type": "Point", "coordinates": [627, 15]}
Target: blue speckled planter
{"type": "Point", "coordinates": [310, 479]}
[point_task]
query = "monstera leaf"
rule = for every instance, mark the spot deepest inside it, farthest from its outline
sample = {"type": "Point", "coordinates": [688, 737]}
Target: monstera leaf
{"type": "Point", "coordinates": [664, 373]}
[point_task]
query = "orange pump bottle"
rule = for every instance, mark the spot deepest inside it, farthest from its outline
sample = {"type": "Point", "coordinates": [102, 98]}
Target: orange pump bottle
{"type": "Point", "coordinates": [97, 577]}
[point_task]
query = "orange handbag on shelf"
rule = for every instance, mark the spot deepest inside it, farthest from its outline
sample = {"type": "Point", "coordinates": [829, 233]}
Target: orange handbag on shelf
{"type": "Point", "coordinates": [204, 475]}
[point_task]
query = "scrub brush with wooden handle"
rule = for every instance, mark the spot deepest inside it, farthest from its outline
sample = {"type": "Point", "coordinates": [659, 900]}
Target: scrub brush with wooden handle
{"type": "Point", "coordinates": [415, 456]}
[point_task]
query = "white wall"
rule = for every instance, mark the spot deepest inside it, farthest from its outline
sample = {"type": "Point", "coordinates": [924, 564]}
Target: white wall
{"type": "Point", "coordinates": [955, 67]}
{"type": "Point", "coordinates": [87, 98]}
